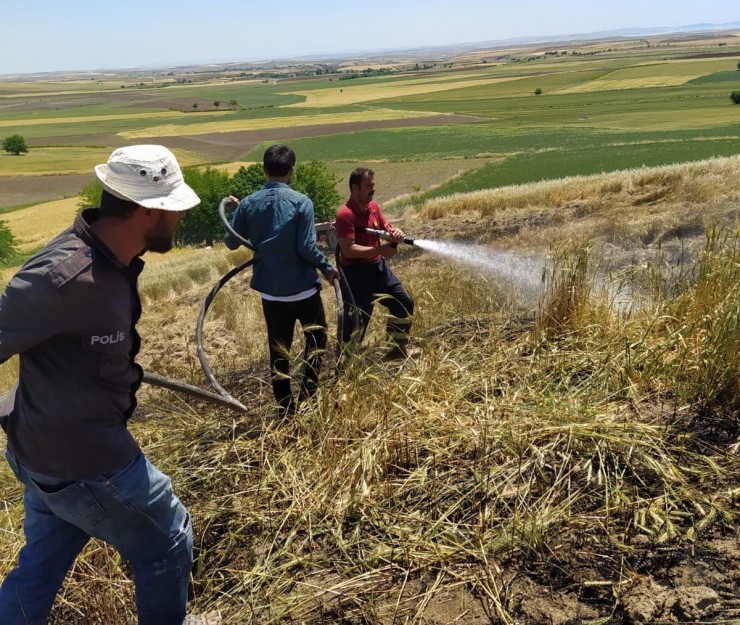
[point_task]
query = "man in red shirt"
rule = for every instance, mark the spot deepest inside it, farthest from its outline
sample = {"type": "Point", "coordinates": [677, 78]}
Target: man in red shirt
{"type": "Point", "coordinates": [362, 258]}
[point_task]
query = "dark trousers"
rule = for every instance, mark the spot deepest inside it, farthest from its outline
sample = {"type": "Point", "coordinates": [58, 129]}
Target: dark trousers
{"type": "Point", "coordinates": [371, 282]}
{"type": "Point", "coordinates": [281, 318]}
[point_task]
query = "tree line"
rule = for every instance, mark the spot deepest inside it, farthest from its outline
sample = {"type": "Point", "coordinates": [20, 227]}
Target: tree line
{"type": "Point", "coordinates": [202, 224]}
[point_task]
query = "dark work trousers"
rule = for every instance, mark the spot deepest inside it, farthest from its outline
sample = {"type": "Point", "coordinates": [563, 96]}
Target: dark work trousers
{"type": "Point", "coordinates": [281, 318]}
{"type": "Point", "coordinates": [371, 282]}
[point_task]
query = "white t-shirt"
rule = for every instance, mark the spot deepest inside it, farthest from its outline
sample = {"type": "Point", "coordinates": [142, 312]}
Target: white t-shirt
{"type": "Point", "coordinates": [290, 298]}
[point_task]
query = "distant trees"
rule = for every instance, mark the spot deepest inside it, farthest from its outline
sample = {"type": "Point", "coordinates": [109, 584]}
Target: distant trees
{"type": "Point", "coordinates": [738, 66]}
{"type": "Point", "coordinates": [735, 97]}
{"type": "Point", "coordinates": [312, 178]}
{"type": "Point", "coordinates": [15, 144]}
{"type": "Point", "coordinates": [217, 103]}
{"type": "Point", "coordinates": [538, 91]}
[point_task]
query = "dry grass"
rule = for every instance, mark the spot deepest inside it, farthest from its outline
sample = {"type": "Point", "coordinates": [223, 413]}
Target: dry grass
{"type": "Point", "coordinates": [20, 123]}
{"type": "Point", "coordinates": [346, 93]}
{"type": "Point", "coordinates": [568, 444]}
{"type": "Point", "coordinates": [688, 183]}
{"type": "Point", "coordinates": [630, 209]}
{"type": "Point", "coordinates": [35, 226]}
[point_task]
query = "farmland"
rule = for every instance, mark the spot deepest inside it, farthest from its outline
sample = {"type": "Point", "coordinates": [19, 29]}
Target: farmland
{"type": "Point", "coordinates": [564, 457]}
{"type": "Point", "coordinates": [602, 106]}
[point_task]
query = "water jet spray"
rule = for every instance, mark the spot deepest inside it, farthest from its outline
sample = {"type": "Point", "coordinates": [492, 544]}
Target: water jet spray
{"type": "Point", "coordinates": [526, 272]}
{"type": "Point", "coordinates": [512, 267]}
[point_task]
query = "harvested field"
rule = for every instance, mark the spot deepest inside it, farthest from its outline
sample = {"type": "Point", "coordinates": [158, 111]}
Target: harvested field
{"type": "Point", "coordinates": [217, 146]}
{"type": "Point", "coordinates": [35, 189]}
{"type": "Point", "coordinates": [35, 226]}
{"type": "Point", "coordinates": [357, 94]}
{"type": "Point", "coordinates": [230, 146]}
{"type": "Point", "coordinates": [236, 125]}
{"type": "Point", "coordinates": [397, 182]}
{"type": "Point", "coordinates": [108, 140]}
{"type": "Point", "coordinates": [89, 119]}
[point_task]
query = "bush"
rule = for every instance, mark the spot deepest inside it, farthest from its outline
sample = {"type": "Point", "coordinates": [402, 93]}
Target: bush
{"type": "Point", "coordinates": [202, 223]}
{"type": "Point", "coordinates": [312, 178]}
{"type": "Point", "coordinates": [15, 144]}
{"type": "Point", "coordinates": [7, 244]}
{"type": "Point", "coordinates": [735, 97]}
{"type": "Point", "coordinates": [316, 180]}
{"type": "Point", "coordinates": [247, 180]}
{"type": "Point", "coordinates": [90, 195]}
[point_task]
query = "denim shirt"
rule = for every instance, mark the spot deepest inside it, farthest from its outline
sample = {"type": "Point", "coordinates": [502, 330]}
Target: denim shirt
{"type": "Point", "coordinates": [279, 222]}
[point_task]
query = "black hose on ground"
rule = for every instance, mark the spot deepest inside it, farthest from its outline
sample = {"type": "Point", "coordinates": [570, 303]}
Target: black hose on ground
{"type": "Point", "coordinates": [224, 398]}
{"type": "Point", "coordinates": [340, 311]}
{"type": "Point", "coordinates": [194, 391]}
{"type": "Point", "coordinates": [227, 201]}
{"type": "Point", "coordinates": [199, 330]}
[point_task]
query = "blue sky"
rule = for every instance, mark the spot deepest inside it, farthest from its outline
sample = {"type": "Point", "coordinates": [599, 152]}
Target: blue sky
{"type": "Point", "coordinates": [51, 35]}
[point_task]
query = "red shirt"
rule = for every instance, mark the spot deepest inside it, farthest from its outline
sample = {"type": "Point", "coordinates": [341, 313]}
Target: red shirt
{"type": "Point", "coordinates": [351, 224]}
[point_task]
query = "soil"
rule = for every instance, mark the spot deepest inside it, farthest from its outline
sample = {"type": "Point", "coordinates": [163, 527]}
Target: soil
{"type": "Point", "coordinates": [36, 189]}
{"type": "Point", "coordinates": [681, 584]}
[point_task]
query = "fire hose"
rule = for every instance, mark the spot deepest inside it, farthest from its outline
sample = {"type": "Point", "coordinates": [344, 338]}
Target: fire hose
{"type": "Point", "coordinates": [223, 394]}
{"type": "Point", "coordinates": [224, 398]}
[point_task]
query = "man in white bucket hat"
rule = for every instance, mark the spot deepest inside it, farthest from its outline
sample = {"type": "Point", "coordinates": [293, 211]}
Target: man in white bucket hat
{"type": "Point", "coordinates": [70, 313]}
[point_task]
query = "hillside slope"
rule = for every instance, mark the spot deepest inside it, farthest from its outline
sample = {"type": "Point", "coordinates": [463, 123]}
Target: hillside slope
{"type": "Point", "coordinates": [570, 459]}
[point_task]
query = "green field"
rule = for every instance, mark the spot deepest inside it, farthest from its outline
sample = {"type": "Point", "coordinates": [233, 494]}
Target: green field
{"type": "Point", "coordinates": [586, 108]}
{"type": "Point", "coordinates": [529, 154]}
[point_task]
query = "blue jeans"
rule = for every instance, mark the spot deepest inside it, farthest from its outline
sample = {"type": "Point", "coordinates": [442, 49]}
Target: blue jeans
{"type": "Point", "coordinates": [134, 510]}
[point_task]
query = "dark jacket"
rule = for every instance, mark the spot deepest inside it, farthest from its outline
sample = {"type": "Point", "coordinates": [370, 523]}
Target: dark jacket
{"type": "Point", "coordinates": [70, 314]}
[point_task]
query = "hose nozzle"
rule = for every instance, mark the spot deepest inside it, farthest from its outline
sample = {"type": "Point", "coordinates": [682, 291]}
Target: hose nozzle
{"type": "Point", "coordinates": [385, 235]}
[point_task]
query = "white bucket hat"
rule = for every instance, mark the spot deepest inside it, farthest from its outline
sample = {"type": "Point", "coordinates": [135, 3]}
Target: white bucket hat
{"type": "Point", "coordinates": [148, 175]}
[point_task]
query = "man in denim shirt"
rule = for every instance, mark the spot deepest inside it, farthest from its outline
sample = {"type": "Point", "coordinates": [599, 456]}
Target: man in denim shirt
{"type": "Point", "coordinates": [70, 313]}
{"type": "Point", "coordinates": [279, 223]}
